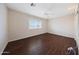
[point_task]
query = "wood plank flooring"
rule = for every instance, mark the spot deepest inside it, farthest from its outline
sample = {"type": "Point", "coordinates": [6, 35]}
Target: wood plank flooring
{"type": "Point", "coordinates": [44, 44]}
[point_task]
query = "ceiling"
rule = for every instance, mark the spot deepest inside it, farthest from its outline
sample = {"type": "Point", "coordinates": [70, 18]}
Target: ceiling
{"type": "Point", "coordinates": [44, 10]}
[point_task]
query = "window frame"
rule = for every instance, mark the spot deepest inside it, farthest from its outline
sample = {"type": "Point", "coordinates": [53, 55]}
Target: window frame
{"type": "Point", "coordinates": [38, 24]}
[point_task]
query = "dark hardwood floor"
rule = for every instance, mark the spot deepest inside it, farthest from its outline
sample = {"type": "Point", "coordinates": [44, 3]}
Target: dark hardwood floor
{"type": "Point", "coordinates": [44, 44]}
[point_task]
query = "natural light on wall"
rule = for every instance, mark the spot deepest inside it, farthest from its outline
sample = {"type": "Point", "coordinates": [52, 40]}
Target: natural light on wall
{"type": "Point", "coordinates": [35, 24]}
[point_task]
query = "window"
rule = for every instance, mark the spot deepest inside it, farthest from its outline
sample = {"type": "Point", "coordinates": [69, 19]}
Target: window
{"type": "Point", "coordinates": [35, 24]}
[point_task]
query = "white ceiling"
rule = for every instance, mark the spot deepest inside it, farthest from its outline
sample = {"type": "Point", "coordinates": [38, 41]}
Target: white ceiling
{"type": "Point", "coordinates": [44, 10]}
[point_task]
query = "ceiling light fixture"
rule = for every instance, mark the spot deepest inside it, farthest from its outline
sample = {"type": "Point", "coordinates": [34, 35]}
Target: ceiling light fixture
{"type": "Point", "coordinates": [32, 4]}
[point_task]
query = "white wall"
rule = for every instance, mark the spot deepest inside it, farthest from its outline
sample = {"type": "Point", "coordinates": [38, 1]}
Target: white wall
{"type": "Point", "coordinates": [62, 26]}
{"type": "Point", "coordinates": [77, 26]}
{"type": "Point", "coordinates": [77, 29]}
{"type": "Point", "coordinates": [18, 25]}
{"type": "Point", "coordinates": [3, 27]}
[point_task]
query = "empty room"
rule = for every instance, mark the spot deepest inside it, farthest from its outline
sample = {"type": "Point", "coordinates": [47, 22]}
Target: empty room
{"type": "Point", "coordinates": [39, 29]}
